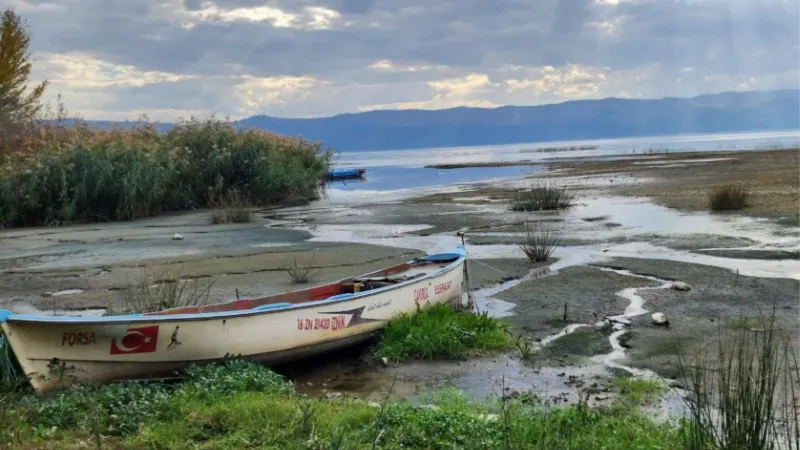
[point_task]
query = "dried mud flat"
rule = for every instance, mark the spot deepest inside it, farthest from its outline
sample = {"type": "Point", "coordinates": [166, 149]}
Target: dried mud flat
{"type": "Point", "coordinates": [86, 267]}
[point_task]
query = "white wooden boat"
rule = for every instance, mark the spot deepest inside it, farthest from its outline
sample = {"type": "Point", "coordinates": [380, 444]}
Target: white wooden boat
{"type": "Point", "coordinates": [56, 351]}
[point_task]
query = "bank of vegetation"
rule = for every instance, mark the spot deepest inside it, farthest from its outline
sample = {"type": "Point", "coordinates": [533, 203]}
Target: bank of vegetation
{"type": "Point", "coordinates": [87, 174]}
{"type": "Point", "coordinates": [236, 404]}
{"type": "Point", "coordinates": [56, 170]}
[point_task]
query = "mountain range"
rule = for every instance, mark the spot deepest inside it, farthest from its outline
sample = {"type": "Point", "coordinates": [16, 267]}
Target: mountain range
{"type": "Point", "coordinates": [571, 120]}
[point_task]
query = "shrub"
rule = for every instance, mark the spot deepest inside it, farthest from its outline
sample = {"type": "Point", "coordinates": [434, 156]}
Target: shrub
{"type": "Point", "coordinates": [545, 197]}
{"type": "Point", "coordinates": [539, 242]}
{"type": "Point", "coordinates": [729, 197]}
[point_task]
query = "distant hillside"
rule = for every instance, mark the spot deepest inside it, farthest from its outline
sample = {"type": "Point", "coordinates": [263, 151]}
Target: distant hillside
{"type": "Point", "coordinates": [582, 119]}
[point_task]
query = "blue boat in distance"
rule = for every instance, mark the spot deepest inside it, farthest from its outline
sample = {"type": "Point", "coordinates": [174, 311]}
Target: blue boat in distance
{"type": "Point", "coordinates": [341, 174]}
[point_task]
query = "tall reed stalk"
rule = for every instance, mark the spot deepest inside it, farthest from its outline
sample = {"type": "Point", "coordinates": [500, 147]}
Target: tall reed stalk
{"type": "Point", "coordinates": [744, 396]}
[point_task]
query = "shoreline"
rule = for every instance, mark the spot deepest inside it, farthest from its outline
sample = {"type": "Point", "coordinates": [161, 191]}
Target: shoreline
{"type": "Point", "coordinates": [604, 228]}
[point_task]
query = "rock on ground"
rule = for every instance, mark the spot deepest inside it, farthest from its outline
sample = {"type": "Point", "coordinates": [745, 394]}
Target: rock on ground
{"type": "Point", "coordinates": [681, 286]}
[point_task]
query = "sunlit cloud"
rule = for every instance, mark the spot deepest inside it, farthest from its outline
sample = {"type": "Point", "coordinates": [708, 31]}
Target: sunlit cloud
{"type": "Point", "coordinates": [115, 58]}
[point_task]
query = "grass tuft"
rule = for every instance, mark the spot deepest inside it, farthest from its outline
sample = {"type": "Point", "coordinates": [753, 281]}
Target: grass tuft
{"type": "Point", "coordinates": [442, 333]}
{"type": "Point", "coordinates": [730, 197]}
{"type": "Point", "coordinates": [157, 290]}
{"type": "Point", "coordinates": [539, 241]}
{"type": "Point", "coordinates": [638, 391]}
{"type": "Point", "coordinates": [301, 272]}
{"type": "Point", "coordinates": [545, 197]}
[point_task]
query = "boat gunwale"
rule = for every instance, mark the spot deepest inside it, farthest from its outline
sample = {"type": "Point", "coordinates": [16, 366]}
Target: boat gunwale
{"type": "Point", "coordinates": [201, 317]}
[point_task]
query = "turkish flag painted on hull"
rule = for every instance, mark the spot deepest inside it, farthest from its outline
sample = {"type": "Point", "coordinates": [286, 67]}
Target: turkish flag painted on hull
{"type": "Point", "coordinates": [136, 340]}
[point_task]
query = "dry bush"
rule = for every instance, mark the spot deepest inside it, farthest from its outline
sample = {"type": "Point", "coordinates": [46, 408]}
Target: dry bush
{"type": "Point", "coordinates": [729, 197]}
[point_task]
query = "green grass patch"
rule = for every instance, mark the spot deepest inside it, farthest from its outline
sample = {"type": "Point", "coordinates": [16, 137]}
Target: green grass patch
{"type": "Point", "coordinates": [440, 332]}
{"type": "Point", "coordinates": [638, 391]}
{"type": "Point", "coordinates": [236, 405]}
{"type": "Point", "coordinates": [744, 323]}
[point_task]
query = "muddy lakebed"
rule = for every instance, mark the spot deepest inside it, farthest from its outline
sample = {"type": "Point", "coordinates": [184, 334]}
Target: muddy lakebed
{"type": "Point", "coordinates": [583, 318]}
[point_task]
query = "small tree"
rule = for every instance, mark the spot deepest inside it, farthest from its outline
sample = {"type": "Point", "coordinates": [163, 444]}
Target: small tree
{"type": "Point", "coordinates": [18, 105]}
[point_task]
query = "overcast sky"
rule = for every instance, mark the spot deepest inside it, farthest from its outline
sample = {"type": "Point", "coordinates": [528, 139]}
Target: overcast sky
{"type": "Point", "coordinates": [116, 59]}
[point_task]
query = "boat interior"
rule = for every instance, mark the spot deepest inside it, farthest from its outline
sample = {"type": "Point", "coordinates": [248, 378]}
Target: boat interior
{"type": "Point", "coordinates": [400, 273]}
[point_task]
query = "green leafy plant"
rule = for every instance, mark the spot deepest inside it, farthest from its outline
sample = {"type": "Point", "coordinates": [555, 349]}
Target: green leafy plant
{"type": "Point", "coordinates": [442, 333]}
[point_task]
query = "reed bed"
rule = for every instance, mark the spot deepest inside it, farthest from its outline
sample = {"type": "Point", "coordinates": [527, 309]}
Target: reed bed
{"type": "Point", "coordinates": [77, 173]}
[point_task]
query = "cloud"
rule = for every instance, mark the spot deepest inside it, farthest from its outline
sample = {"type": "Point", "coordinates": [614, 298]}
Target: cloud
{"type": "Point", "coordinates": [113, 58]}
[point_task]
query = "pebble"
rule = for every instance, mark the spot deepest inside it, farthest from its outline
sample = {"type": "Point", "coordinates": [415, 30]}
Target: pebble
{"type": "Point", "coordinates": [177, 237]}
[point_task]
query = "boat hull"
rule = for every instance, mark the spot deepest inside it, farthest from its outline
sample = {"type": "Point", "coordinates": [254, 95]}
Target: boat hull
{"type": "Point", "coordinates": [61, 351]}
{"type": "Point", "coordinates": [344, 174]}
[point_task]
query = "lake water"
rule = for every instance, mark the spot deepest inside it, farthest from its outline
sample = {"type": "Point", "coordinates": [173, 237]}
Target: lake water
{"type": "Point", "coordinates": [403, 169]}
